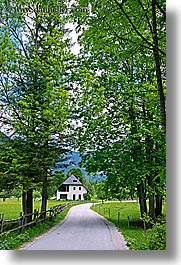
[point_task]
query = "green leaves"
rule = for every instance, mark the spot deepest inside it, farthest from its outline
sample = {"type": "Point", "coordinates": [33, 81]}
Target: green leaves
{"type": "Point", "coordinates": [118, 103]}
{"type": "Point", "coordinates": [36, 65]}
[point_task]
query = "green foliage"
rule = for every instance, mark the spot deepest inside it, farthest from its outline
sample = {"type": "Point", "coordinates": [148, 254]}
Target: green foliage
{"type": "Point", "coordinates": [157, 235]}
{"type": "Point", "coordinates": [101, 190]}
{"type": "Point", "coordinates": [34, 91]}
{"type": "Point", "coordinates": [54, 182]}
{"type": "Point", "coordinates": [87, 196]}
{"type": "Point", "coordinates": [119, 101]}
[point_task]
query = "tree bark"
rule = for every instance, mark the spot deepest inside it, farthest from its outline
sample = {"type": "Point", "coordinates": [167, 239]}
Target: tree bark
{"type": "Point", "coordinates": [158, 209]}
{"type": "Point", "coordinates": [158, 69]}
{"type": "Point", "coordinates": [142, 199]}
{"type": "Point", "coordinates": [44, 199]}
{"type": "Point", "coordinates": [151, 198]}
{"type": "Point", "coordinates": [24, 201]}
{"type": "Point", "coordinates": [29, 204]}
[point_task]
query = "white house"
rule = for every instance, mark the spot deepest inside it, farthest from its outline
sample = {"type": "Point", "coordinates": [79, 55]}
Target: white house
{"type": "Point", "coordinates": [71, 189]}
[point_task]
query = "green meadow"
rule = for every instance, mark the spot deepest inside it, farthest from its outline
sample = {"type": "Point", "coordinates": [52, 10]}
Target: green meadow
{"type": "Point", "coordinates": [12, 207]}
{"type": "Point", "coordinates": [136, 237]}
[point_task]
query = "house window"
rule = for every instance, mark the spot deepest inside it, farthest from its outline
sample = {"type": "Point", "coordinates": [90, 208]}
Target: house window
{"type": "Point", "coordinates": [73, 188]}
{"type": "Point", "coordinates": [79, 188]}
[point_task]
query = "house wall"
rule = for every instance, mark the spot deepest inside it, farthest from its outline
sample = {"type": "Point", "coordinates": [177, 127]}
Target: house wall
{"type": "Point", "coordinates": [74, 193]}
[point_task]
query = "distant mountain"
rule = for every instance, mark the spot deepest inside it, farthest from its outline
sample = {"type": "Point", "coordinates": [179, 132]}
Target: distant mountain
{"type": "Point", "coordinates": [72, 160]}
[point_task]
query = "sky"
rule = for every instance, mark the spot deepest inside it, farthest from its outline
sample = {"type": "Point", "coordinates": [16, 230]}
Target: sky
{"type": "Point", "coordinates": [73, 35]}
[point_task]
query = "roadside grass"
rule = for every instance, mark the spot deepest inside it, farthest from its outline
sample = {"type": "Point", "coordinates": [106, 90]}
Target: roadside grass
{"type": "Point", "coordinates": [154, 239]}
{"type": "Point", "coordinates": [12, 207]}
{"type": "Point", "coordinates": [13, 240]}
{"type": "Point", "coordinates": [133, 232]}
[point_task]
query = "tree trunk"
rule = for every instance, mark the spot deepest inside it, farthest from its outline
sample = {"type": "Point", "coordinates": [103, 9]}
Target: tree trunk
{"type": "Point", "coordinates": [29, 204]}
{"type": "Point", "coordinates": [158, 69]}
{"type": "Point", "coordinates": [24, 202]}
{"type": "Point", "coordinates": [142, 199]}
{"type": "Point", "coordinates": [151, 199]}
{"type": "Point", "coordinates": [44, 200]}
{"type": "Point", "coordinates": [158, 209]}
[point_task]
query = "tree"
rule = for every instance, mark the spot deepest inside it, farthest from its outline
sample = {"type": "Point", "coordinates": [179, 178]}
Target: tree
{"type": "Point", "coordinates": [17, 193]}
{"type": "Point", "coordinates": [122, 115]}
{"type": "Point", "coordinates": [56, 179]}
{"type": "Point", "coordinates": [101, 191]}
{"type": "Point", "coordinates": [35, 92]}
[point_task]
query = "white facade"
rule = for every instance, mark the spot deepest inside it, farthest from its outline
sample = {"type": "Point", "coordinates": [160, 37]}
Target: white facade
{"type": "Point", "coordinates": [74, 193]}
{"type": "Point", "coordinates": [71, 189]}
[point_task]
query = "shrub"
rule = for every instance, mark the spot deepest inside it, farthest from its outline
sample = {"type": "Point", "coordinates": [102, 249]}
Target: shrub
{"type": "Point", "coordinates": [157, 235]}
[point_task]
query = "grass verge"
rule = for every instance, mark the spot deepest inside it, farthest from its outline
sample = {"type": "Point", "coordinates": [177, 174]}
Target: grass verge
{"type": "Point", "coordinates": [13, 240]}
{"type": "Point", "coordinates": [133, 232]}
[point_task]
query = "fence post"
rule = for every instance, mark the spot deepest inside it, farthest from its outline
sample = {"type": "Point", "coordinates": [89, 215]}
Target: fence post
{"type": "Point", "coordinates": [118, 217]}
{"type": "Point", "coordinates": [20, 220]}
{"type": "Point", "coordinates": [51, 213]}
{"type": "Point", "coordinates": [24, 219]}
{"type": "Point", "coordinates": [128, 222]}
{"type": "Point", "coordinates": [109, 212]}
{"type": "Point", "coordinates": [2, 222]}
{"type": "Point", "coordinates": [35, 216]}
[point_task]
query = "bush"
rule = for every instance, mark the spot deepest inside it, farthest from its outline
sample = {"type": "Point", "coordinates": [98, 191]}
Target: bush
{"type": "Point", "coordinates": [87, 196]}
{"type": "Point", "coordinates": [157, 235]}
{"type": "Point", "coordinates": [12, 240]}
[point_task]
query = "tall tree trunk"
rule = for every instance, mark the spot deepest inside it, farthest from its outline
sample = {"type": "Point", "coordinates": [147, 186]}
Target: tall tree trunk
{"type": "Point", "coordinates": [29, 204]}
{"type": "Point", "coordinates": [24, 202]}
{"type": "Point", "coordinates": [44, 198]}
{"type": "Point", "coordinates": [149, 147]}
{"type": "Point", "coordinates": [158, 209]}
{"type": "Point", "coordinates": [158, 69]}
{"type": "Point", "coordinates": [142, 199]}
{"type": "Point", "coordinates": [151, 198]}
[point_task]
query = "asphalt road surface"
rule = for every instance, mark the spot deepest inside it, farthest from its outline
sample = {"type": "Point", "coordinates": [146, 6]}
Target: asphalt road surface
{"type": "Point", "coordinates": [82, 229]}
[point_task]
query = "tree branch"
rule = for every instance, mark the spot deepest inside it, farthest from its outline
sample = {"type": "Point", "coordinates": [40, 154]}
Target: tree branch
{"type": "Point", "coordinates": [136, 30]}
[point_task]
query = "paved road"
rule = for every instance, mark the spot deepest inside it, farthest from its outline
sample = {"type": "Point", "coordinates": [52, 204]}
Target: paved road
{"type": "Point", "coordinates": [82, 229]}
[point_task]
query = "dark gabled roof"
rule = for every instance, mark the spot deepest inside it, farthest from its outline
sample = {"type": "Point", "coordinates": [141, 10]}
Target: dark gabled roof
{"type": "Point", "coordinates": [72, 180]}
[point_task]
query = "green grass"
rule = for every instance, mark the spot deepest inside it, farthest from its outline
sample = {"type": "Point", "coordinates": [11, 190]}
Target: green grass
{"type": "Point", "coordinates": [136, 238]}
{"type": "Point", "coordinates": [14, 240]}
{"type": "Point", "coordinates": [134, 235]}
{"type": "Point", "coordinates": [12, 207]}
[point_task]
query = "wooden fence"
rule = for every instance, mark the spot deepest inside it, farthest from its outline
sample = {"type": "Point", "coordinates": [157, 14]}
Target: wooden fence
{"type": "Point", "coordinates": [35, 217]}
{"type": "Point", "coordinates": [107, 212]}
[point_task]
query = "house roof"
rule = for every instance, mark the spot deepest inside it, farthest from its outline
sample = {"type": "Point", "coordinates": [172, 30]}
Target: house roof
{"type": "Point", "coordinates": [72, 180]}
